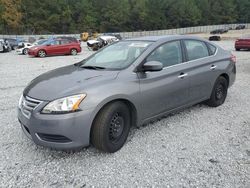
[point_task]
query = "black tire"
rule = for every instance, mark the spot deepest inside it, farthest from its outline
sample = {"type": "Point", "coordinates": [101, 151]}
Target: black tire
{"type": "Point", "coordinates": [219, 93]}
{"type": "Point", "coordinates": [25, 51]}
{"type": "Point", "coordinates": [41, 53]}
{"type": "Point", "coordinates": [73, 51]}
{"type": "Point", "coordinates": [111, 127]}
{"type": "Point", "coordinates": [237, 49]}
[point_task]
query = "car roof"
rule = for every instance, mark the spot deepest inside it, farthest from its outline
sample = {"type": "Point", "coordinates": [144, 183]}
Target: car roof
{"type": "Point", "coordinates": [165, 38]}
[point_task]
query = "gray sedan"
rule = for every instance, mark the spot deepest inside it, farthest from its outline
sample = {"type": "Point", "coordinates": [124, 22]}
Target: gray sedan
{"type": "Point", "coordinates": [128, 83]}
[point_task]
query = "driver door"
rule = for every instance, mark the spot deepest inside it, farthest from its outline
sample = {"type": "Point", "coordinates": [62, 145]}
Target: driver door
{"type": "Point", "coordinates": [53, 48]}
{"type": "Point", "coordinates": [167, 89]}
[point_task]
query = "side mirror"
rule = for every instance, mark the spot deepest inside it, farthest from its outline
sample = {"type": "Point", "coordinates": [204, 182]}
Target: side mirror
{"type": "Point", "coordinates": [48, 45]}
{"type": "Point", "coordinates": [152, 66]}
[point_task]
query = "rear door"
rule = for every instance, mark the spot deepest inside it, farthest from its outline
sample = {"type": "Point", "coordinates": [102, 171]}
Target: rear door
{"type": "Point", "coordinates": [202, 68]}
{"type": "Point", "coordinates": [166, 89]}
{"type": "Point", "coordinates": [65, 46]}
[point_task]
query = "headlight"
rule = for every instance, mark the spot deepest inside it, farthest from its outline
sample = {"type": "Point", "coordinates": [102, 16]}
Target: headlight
{"type": "Point", "coordinates": [64, 105]}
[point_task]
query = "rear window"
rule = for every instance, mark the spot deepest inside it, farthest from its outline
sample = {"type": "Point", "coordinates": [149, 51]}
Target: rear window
{"type": "Point", "coordinates": [196, 49]}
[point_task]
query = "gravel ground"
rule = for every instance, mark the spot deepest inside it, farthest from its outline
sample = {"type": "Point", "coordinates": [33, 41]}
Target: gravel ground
{"type": "Point", "coordinates": [197, 147]}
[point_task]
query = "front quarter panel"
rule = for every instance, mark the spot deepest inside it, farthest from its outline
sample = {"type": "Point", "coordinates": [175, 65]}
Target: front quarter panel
{"type": "Point", "coordinates": [124, 87]}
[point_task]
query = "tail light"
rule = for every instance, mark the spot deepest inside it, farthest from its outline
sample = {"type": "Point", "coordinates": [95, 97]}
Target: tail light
{"type": "Point", "coordinates": [233, 58]}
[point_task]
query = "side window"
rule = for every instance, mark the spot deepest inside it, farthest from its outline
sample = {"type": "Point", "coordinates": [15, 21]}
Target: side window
{"type": "Point", "coordinates": [55, 42]}
{"type": "Point", "coordinates": [196, 49]}
{"type": "Point", "coordinates": [64, 42]}
{"type": "Point", "coordinates": [168, 54]}
{"type": "Point", "coordinates": [212, 49]}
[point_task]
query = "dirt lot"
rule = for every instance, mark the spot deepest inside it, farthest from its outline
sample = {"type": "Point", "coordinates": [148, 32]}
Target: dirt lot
{"type": "Point", "coordinates": [198, 147]}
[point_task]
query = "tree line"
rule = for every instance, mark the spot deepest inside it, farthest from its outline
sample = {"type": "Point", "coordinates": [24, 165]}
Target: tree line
{"type": "Point", "coordinates": [76, 16]}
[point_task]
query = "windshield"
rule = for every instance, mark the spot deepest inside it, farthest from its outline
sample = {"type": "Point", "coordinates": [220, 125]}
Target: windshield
{"type": "Point", "coordinates": [40, 42]}
{"type": "Point", "coordinates": [49, 41]}
{"type": "Point", "coordinates": [118, 55]}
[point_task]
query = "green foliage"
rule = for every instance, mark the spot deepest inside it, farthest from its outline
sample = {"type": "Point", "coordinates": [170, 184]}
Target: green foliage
{"type": "Point", "coordinates": [76, 16]}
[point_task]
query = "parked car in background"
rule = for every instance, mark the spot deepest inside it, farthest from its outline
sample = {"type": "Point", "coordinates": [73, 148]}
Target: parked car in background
{"type": "Point", "coordinates": [23, 48]}
{"type": "Point", "coordinates": [101, 42]}
{"type": "Point", "coordinates": [1, 46]}
{"type": "Point", "coordinates": [117, 35]}
{"type": "Point", "coordinates": [5, 45]}
{"type": "Point", "coordinates": [215, 38]}
{"type": "Point", "coordinates": [128, 83]}
{"type": "Point", "coordinates": [55, 47]}
{"type": "Point", "coordinates": [13, 43]}
{"type": "Point", "coordinates": [239, 27]}
{"type": "Point", "coordinates": [219, 31]}
{"type": "Point", "coordinates": [242, 43]}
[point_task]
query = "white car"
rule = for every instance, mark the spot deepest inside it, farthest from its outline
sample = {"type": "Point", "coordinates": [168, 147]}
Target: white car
{"type": "Point", "coordinates": [101, 42]}
{"type": "Point", "coordinates": [23, 47]}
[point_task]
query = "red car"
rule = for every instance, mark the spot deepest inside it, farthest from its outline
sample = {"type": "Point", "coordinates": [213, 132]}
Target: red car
{"type": "Point", "coordinates": [242, 43]}
{"type": "Point", "coordinates": [56, 47]}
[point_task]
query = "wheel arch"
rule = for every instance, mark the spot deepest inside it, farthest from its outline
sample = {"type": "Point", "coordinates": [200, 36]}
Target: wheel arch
{"type": "Point", "coordinates": [40, 50]}
{"type": "Point", "coordinates": [73, 48]}
{"type": "Point", "coordinates": [130, 105]}
{"type": "Point", "coordinates": [225, 75]}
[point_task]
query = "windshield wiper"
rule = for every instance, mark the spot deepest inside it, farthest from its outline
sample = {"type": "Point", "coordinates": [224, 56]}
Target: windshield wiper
{"type": "Point", "coordinates": [92, 67]}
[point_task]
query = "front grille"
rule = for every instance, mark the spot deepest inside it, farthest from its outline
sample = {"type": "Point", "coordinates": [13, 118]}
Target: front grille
{"type": "Point", "coordinates": [54, 138]}
{"type": "Point", "coordinates": [28, 105]}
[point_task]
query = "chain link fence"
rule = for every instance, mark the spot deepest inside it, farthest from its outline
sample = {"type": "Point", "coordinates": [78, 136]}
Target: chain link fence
{"type": "Point", "coordinates": [187, 30]}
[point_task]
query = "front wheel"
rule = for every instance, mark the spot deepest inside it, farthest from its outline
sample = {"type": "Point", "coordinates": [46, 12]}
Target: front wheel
{"type": "Point", "coordinates": [111, 127]}
{"type": "Point", "coordinates": [41, 53]}
{"type": "Point", "coordinates": [219, 93]}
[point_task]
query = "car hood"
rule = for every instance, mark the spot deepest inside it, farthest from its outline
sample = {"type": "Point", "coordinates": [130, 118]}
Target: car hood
{"type": "Point", "coordinates": [66, 81]}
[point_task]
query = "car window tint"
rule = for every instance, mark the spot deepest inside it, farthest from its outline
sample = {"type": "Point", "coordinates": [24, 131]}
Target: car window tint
{"type": "Point", "coordinates": [212, 49]}
{"type": "Point", "coordinates": [64, 41]}
{"type": "Point", "coordinates": [196, 49]}
{"type": "Point", "coordinates": [55, 42]}
{"type": "Point", "coordinates": [168, 54]}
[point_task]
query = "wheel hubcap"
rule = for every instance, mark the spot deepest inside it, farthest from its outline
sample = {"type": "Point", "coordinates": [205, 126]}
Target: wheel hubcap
{"type": "Point", "coordinates": [219, 92]}
{"type": "Point", "coordinates": [41, 53]}
{"type": "Point", "coordinates": [116, 127]}
{"type": "Point", "coordinates": [73, 52]}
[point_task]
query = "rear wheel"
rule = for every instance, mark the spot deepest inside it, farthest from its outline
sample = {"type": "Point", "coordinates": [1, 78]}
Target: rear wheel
{"type": "Point", "coordinates": [25, 51]}
{"type": "Point", "coordinates": [41, 53]}
{"type": "Point", "coordinates": [111, 127]}
{"type": "Point", "coordinates": [237, 49]}
{"type": "Point", "coordinates": [73, 51]}
{"type": "Point", "coordinates": [219, 93]}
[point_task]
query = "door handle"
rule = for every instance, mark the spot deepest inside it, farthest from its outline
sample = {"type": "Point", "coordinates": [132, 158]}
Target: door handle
{"type": "Point", "coordinates": [213, 67]}
{"type": "Point", "coordinates": [182, 75]}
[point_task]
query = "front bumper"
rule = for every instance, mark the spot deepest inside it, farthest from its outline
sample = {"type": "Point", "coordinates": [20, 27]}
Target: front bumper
{"type": "Point", "coordinates": [62, 131]}
{"type": "Point", "coordinates": [32, 52]}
